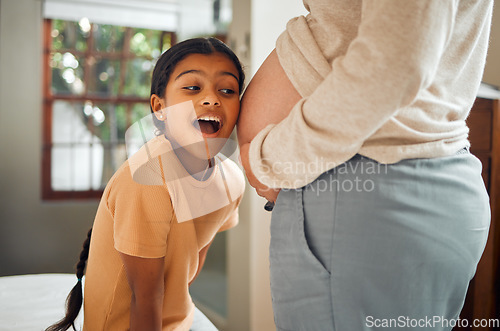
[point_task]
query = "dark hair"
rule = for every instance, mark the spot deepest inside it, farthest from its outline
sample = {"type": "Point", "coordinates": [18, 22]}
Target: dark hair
{"type": "Point", "coordinates": [161, 74]}
{"type": "Point", "coordinates": [169, 59]}
{"type": "Point", "coordinates": [75, 298]}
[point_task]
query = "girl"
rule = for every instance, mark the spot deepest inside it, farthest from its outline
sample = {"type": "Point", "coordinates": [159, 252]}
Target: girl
{"type": "Point", "coordinates": [161, 210]}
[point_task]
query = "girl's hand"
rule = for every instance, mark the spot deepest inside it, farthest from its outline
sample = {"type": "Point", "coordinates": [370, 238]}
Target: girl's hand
{"type": "Point", "coordinates": [262, 190]}
{"type": "Point", "coordinates": [145, 278]}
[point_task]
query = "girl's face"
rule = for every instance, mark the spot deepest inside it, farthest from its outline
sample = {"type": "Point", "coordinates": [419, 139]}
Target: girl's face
{"type": "Point", "coordinates": [201, 103]}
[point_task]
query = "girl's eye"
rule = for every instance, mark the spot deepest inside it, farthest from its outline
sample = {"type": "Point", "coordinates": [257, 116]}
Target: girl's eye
{"type": "Point", "coordinates": [191, 88]}
{"type": "Point", "coordinates": [227, 91]}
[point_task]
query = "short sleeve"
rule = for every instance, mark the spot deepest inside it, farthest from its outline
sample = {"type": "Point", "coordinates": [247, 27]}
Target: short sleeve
{"type": "Point", "coordinates": [142, 215]}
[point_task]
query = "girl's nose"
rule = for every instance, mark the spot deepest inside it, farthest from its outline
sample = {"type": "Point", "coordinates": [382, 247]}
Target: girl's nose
{"type": "Point", "coordinates": [210, 100]}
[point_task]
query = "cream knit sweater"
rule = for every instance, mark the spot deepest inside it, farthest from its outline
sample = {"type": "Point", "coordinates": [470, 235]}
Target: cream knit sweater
{"type": "Point", "coordinates": [387, 79]}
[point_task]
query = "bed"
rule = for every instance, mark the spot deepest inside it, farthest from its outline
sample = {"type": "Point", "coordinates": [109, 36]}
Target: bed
{"type": "Point", "coordinates": [33, 302]}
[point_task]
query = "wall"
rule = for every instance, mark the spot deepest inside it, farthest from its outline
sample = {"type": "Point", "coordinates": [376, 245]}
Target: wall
{"type": "Point", "coordinates": [35, 236]}
{"type": "Point", "coordinates": [492, 70]}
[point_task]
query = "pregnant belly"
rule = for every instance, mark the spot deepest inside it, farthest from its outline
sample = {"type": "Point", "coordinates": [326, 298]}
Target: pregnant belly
{"type": "Point", "coordinates": [268, 99]}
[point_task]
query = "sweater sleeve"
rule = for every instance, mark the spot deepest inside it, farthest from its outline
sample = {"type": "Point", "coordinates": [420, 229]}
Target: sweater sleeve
{"type": "Point", "coordinates": [394, 56]}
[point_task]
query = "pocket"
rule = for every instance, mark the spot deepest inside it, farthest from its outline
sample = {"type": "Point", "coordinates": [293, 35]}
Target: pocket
{"type": "Point", "coordinates": [300, 285]}
{"type": "Point", "coordinates": [305, 239]}
{"type": "Point", "coordinates": [288, 235]}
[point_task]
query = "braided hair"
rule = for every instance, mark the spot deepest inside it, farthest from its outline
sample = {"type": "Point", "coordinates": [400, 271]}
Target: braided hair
{"type": "Point", "coordinates": [75, 298]}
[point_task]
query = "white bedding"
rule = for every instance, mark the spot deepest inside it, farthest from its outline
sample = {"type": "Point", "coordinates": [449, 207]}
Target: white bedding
{"type": "Point", "coordinates": [33, 302]}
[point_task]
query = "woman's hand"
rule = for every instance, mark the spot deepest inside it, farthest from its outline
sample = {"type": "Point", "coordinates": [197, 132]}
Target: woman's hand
{"type": "Point", "coordinates": [262, 190]}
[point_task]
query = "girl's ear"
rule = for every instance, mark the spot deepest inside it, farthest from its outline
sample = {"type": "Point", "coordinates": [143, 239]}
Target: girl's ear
{"type": "Point", "coordinates": [157, 107]}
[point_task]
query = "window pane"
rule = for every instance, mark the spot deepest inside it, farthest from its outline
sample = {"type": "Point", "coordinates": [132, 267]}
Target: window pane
{"type": "Point", "coordinates": [93, 74]}
{"type": "Point", "coordinates": [70, 35]}
{"type": "Point", "coordinates": [114, 156]}
{"type": "Point", "coordinates": [69, 124]}
{"type": "Point", "coordinates": [104, 77]}
{"type": "Point", "coordinates": [139, 111]}
{"type": "Point", "coordinates": [67, 73]}
{"type": "Point", "coordinates": [138, 78]}
{"type": "Point", "coordinates": [99, 119]}
{"type": "Point", "coordinates": [121, 116]}
{"type": "Point", "coordinates": [166, 41]}
{"type": "Point", "coordinates": [146, 42]}
{"type": "Point", "coordinates": [77, 167]}
{"type": "Point", "coordinates": [110, 121]}
{"type": "Point", "coordinates": [61, 168]}
{"type": "Point", "coordinates": [108, 38]}
{"type": "Point", "coordinates": [120, 155]}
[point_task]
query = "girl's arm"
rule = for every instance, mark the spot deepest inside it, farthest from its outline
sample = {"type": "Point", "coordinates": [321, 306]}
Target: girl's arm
{"type": "Point", "coordinates": [145, 278]}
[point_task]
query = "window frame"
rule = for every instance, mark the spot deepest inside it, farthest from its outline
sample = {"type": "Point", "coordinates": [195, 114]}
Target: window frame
{"type": "Point", "coordinates": [48, 193]}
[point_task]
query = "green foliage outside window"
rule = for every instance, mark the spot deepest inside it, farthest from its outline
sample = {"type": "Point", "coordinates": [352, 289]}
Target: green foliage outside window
{"type": "Point", "coordinates": [113, 71]}
{"type": "Point", "coordinates": [100, 82]}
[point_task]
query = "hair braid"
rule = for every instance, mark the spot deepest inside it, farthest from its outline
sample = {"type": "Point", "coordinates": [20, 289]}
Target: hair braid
{"type": "Point", "coordinates": [84, 255]}
{"type": "Point", "coordinates": [75, 298]}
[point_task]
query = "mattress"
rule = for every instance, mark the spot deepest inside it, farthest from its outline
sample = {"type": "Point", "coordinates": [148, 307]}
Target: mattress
{"type": "Point", "coordinates": [33, 302]}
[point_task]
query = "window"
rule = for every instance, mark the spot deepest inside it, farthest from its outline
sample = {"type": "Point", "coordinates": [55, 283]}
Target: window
{"type": "Point", "coordinates": [97, 81]}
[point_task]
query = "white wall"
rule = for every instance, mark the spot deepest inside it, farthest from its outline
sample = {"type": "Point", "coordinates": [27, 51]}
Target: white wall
{"type": "Point", "coordinates": [35, 236]}
{"type": "Point", "coordinates": [492, 70]}
{"type": "Point", "coordinates": [269, 19]}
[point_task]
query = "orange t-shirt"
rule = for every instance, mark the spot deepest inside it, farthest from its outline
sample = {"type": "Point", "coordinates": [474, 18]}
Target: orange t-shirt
{"type": "Point", "coordinates": [137, 216]}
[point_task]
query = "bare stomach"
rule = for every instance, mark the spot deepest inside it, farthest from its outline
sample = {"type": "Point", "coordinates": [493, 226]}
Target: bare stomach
{"type": "Point", "coordinates": [268, 99]}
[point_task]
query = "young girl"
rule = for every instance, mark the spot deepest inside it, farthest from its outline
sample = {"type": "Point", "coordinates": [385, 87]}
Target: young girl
{"type": "Point", "coordinates": [161, 210]}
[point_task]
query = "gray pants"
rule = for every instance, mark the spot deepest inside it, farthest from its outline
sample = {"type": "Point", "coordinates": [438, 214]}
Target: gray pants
{"type": "Point", "coordinates": [374, 247]}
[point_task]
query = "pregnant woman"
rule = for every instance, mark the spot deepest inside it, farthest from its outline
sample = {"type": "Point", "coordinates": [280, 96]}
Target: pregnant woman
{"type": "Point", "coordinates": [358, 116]}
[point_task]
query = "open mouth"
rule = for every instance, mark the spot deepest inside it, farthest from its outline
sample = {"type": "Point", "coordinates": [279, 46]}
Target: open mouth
{"type": "Point", "coordinates": [209, 124]}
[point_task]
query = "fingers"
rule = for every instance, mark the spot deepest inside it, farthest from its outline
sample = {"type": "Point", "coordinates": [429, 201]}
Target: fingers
{"type": "Point", "coordinates": [268, 193]}
{"type": "Point", "coordinates": [261, 189]}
